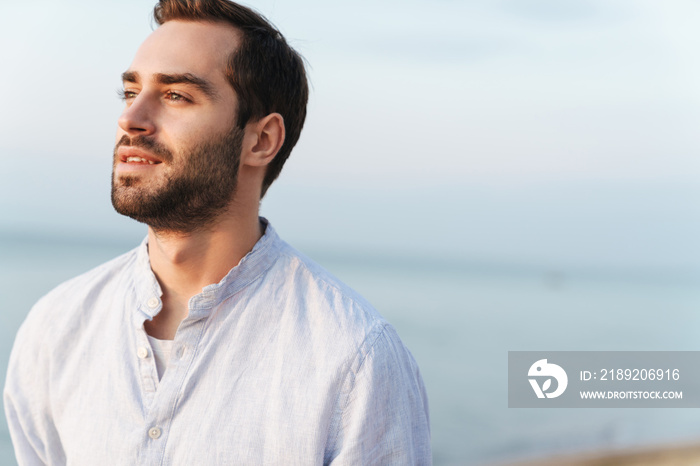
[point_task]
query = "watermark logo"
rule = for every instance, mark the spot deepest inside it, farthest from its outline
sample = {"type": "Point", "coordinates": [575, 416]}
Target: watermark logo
{"type": "Point", "coordinates": [543, 370]}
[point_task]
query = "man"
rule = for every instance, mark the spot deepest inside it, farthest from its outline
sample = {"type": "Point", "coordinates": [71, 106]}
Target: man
{"type": "Point", "coordinates": [214, 342]}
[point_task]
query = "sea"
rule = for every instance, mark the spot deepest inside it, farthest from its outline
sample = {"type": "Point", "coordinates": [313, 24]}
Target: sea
{"type": "Point", "coordinates": [459, 318]}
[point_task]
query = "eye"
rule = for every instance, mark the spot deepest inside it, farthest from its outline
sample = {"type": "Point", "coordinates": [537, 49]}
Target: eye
{"type": "Point", "coordinates": [126, 95]}
{"type": "Point", "coordinates": [175, 97]}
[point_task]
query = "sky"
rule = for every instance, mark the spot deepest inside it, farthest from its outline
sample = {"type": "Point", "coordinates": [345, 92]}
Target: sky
{"type": "Point", "coordinates": [524, 131]}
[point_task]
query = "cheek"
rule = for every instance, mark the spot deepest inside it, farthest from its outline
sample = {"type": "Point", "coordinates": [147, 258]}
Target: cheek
{"type": "Point", "coordinates": [180, 134]}
{"type": "Point", "coordinates": [186, 139]}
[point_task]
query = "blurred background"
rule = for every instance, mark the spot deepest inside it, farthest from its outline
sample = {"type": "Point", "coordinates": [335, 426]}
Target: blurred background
{"type": "Point", "coordinates": [493, 175]}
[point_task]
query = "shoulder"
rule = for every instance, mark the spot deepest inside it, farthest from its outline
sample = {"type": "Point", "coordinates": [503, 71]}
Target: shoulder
{"type": "Point", "coordinates": [311, 271]}
{"type": "Point", "coordinates": [381, 408]}
{"type": "Point", "coordinates": [322, 307]}
{"type": "Point", "coordinates": [377, 351]}
{"type": "Point", "coordinates": [318, 291]}
{"type": "Point", "coordinates": [53, 325]}
{"type": "Point", "coordinates": [60, 305]}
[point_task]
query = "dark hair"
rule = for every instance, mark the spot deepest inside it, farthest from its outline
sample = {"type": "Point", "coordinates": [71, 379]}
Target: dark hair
{"type": "Point", "coordinates": [266, 73]}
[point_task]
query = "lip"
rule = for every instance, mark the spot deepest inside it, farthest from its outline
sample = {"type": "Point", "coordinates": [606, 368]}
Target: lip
{"type": "Point", "coordinates": [124, 152]}
{"type": "Point", "coordinates": [122, 167]}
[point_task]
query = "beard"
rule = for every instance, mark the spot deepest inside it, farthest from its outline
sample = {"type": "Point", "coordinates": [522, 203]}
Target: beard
{"type": "Point", "coordinates": [196, 190]}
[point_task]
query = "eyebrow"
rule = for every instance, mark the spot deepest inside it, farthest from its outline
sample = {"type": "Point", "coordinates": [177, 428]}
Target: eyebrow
{"type": "Point", "coordinates": [201, 84]}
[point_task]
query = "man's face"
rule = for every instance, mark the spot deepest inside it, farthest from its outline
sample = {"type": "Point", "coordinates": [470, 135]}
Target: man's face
{"type": "Point", "coordinates": [178, 147]}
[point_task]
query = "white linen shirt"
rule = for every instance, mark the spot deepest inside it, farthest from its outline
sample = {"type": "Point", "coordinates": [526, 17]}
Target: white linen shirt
{"type": "Point", "coordinates": [279, 363]}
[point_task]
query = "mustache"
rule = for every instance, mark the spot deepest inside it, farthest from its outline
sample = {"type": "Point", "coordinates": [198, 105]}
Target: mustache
{"type": "Point", "coordinates": [148, 144]}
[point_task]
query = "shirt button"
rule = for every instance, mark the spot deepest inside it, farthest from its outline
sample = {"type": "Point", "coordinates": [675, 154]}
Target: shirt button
{"type": "Point", "coordinates": [153, 302]}
{"type": "Point", "coordinates": [142, 352]}
{"type": "Point", "coordinates": [154, 432]}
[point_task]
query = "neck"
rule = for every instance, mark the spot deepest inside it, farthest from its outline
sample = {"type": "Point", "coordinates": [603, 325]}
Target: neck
{"type": "Point", "coordinates": [186, 263]}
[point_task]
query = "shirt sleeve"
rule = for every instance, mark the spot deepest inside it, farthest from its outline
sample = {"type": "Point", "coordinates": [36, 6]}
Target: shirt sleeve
{"type": "Point", "coordinates": [26, 401]}
{"type": "Point", "coordinates": [382, 416]}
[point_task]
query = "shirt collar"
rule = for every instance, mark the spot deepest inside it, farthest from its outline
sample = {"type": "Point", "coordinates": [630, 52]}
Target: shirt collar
{"type": "Point", "coordinates": [253, 264]}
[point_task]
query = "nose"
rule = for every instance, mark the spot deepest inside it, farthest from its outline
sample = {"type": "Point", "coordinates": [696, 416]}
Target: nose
{"type": "Point", "coordinates": [138, 116]}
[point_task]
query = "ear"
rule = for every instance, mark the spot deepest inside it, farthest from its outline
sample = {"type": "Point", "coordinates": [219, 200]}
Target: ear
{"type": "Point", "coordinates": [263, 139]}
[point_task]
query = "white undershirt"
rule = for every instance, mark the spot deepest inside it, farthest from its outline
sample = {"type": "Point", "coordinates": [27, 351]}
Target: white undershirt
{"type": "Point", "coordinates": [161, 353]}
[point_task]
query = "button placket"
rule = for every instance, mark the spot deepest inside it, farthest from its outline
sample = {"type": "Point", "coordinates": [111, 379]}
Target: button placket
{"type": "Point", "coordinates": [147, 368]}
